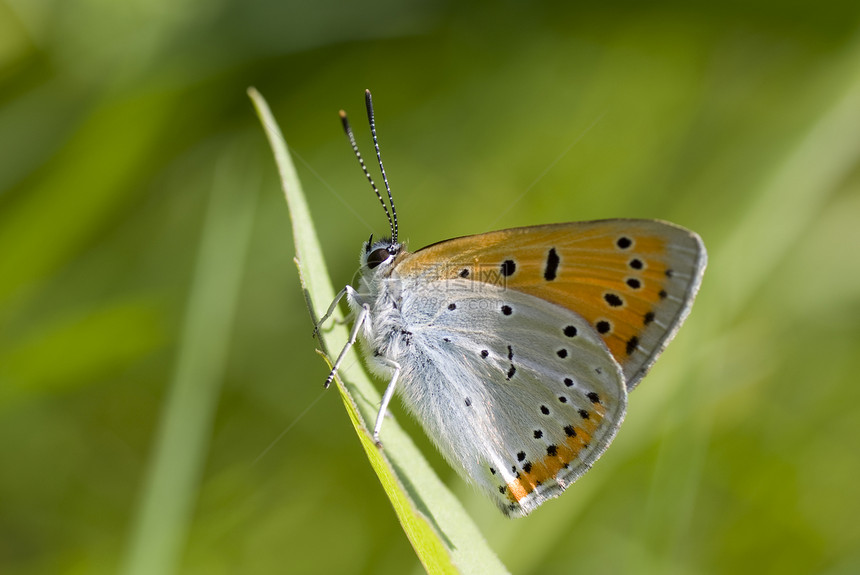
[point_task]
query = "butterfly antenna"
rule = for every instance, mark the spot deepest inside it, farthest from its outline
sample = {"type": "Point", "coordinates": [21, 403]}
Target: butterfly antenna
{"type": "Point", "coordinates": [369, 103]}
{"type": "Point", "coordinates": [348, 129]}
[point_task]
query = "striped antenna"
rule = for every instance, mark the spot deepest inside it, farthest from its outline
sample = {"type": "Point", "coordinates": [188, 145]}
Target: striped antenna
{"type": "Point", "coordinates": [369, 103]}
{"type": "Point", "coordinates": [348, 129]}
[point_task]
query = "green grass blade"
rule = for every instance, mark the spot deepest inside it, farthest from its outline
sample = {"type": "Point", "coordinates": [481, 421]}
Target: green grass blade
{"type": "Point", "coordinates": [183, 436]}
{"type": "Point", "coordinates": [795, 193]}
{"type": "Point", "coordinates": [442, 534]}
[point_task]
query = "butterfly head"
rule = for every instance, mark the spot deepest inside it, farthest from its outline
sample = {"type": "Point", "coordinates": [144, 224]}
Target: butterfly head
{"type": "Point", "coordinates": [378, 256]}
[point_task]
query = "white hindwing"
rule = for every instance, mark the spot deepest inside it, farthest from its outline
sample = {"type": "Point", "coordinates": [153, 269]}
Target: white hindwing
{"type": "Point", "coordinates": [520, 395]}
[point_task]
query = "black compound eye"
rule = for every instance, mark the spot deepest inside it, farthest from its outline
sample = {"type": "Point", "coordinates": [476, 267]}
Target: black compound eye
{"type": "Point", "coordinates": [377, 256]}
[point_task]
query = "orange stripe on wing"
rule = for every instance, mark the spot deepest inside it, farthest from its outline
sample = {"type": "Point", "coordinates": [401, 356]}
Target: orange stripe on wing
{"type": "Point", "coordinates": [558, 457]}
{"type": "Point", "coordinates": [518, 490]}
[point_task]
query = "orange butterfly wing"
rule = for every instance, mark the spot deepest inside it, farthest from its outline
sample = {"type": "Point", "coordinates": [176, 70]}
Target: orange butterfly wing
{"type": "Point", "coordinates": [633, 280]}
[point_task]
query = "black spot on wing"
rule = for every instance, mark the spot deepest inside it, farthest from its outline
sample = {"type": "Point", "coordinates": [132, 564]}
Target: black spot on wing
{"type": "Point", "coordinates": [550, 271]}
{"type": "Point", "coordinates": [614, 300]}
{"type": "Point", "coordinates": [631, 345]}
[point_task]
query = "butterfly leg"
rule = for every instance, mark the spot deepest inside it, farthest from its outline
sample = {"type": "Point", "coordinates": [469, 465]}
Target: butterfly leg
{"type": "Point", "coordinates": [386, 397]}
{"type": "Point", "coordinates": [362, 316]}
{"type": "Point", "coordinates": [347, 290]}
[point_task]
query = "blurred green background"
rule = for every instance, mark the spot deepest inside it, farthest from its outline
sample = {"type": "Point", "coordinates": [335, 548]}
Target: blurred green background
{"type": "Point", "coordinates": [126, 136]}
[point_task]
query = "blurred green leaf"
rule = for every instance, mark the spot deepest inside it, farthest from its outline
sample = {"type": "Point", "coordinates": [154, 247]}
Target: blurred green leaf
{"type": "Point", "coordinates": [77, 350]}
{"type": "Point", "coordinates": [79, 193]}
{"type": "Point", "coordinates": [181, 444]}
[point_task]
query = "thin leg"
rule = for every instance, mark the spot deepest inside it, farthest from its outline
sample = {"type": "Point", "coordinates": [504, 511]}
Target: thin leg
{"type": "Point", "coordinates": [386, 398]}
{"type": "Point", "coordinates": [362, 316]}
{"type": "Point", "coordinates": [346, 290]}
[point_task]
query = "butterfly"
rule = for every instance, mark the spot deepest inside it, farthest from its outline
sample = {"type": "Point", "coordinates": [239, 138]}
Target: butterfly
{"type": "Point", "coordinates": [516, 349]}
